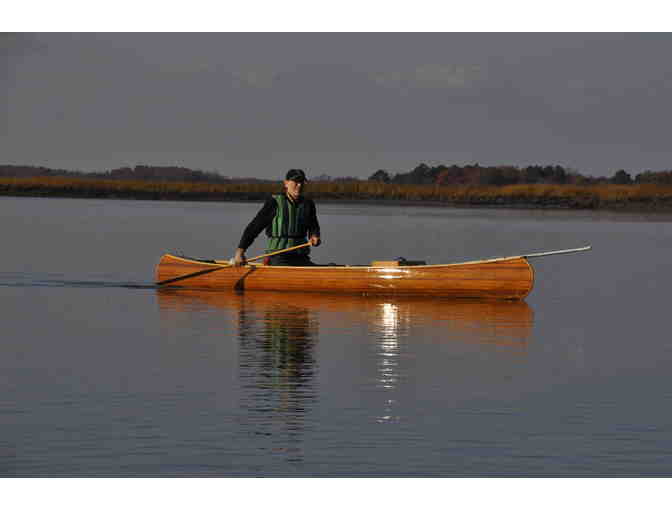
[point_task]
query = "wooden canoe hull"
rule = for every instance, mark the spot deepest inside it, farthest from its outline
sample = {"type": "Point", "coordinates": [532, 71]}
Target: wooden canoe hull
{"type": "Point", "coordinates": [510, 279]}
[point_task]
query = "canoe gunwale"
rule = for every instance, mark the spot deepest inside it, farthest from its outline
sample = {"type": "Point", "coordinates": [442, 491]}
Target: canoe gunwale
{"type": "Point", "coordinates": [375, 268]}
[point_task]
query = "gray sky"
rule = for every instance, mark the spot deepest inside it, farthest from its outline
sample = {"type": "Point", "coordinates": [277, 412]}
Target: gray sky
{"type": "Point", "coordinates": [246, 104]}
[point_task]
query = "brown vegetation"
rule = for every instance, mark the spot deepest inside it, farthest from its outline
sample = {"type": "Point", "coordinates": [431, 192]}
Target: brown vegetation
{"type": "Point", "coordinates": [611, 196]}
{"type": "Point", "coordinates": [608, 196]}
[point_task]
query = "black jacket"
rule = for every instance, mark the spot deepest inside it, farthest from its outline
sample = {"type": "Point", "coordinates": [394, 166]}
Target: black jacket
{"type": "Point", "coordinates": [264, 219]}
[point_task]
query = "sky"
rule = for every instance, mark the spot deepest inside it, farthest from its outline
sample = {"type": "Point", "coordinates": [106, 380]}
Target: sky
{"type": "Point", "coordinates": [343, 104]}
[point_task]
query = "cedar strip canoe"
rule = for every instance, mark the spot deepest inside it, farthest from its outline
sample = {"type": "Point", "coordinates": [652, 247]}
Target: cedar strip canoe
{"type": "Point", "coordinates": [509, 278]}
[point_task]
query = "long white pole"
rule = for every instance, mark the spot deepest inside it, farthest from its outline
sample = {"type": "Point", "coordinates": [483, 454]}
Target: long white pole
{"type": "Point", "coordinates": [543, 254]}
{"type": "Point", "coordinates": [530, 255]}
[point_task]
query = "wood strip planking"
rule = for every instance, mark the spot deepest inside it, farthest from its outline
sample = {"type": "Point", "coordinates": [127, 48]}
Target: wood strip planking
{"type": "Point", "coordinates": [504, 279]}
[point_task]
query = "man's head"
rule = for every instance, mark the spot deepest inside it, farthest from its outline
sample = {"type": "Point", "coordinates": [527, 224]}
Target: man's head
{"type": "Point", "coordinates": [296, 174]}
{"type": "Point", "coordinates": [294, 182]}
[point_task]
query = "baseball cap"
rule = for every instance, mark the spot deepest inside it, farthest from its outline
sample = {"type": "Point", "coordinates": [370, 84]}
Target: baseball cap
{"type": "Point", "coordinates": [295, 174]}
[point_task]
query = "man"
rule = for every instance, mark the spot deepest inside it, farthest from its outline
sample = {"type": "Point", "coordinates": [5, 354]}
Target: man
{"type": "Point", "coordinates": [289, 220]}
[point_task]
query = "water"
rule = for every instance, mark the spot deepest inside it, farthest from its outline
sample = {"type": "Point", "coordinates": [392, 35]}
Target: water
{"type": "Point", "coordinates": [104, 375]}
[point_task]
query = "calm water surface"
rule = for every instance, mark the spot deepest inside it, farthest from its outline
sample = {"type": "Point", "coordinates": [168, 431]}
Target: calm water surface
{"type": "Point", "coordinates": [102, 374]}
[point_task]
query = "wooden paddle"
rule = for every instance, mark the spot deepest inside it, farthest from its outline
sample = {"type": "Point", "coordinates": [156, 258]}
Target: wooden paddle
{"type": "Point", "coordinates": [221, 264]}
{"type": "Point", "coordinates": [285, 250]}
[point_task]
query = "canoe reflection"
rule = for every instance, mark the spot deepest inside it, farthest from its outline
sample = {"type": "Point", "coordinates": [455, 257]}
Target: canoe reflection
{"type": "Point", "coordinates": [505, 323]}
{"type": "Point", "coordinates": [278, 335]}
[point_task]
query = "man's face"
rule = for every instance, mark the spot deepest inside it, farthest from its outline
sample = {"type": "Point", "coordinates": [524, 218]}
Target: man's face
{"type": "Point", "coordinates": [294, 188]}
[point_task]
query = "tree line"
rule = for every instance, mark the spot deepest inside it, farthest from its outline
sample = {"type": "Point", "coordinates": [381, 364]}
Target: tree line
{"type": "Point", "coordinates": [137, 173]}
{"type": "Point", "coordinates": [476, 175]}
{"type": "Point", "coordinates": [423, 174]}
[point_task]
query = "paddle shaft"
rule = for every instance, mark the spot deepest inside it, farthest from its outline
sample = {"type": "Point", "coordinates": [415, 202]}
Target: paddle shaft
{"type": "Point", "coordinates": [221, 264]}
{"type": "Point", "coordinates": [285, 250]}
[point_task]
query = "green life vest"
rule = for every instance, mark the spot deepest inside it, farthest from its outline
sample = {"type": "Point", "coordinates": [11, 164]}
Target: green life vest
{"type": "Point", "coordinates": [290, 225]}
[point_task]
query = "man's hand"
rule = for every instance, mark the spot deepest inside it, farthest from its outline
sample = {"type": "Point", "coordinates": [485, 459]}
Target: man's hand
{"type": "Point", "coordinates": [315, 241]}
{"type": "Point", "coordinates": [239, 258]}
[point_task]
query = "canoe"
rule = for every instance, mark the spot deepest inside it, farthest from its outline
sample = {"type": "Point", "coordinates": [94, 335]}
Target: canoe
{"type": "Point", "coordinates": [509, 278]}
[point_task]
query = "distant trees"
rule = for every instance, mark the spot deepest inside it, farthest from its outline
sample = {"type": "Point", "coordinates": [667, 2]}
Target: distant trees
{"type": "Point", "coordinates": [546, 174]}
{"type": "Point", "coordinates": [138, 173]}
{"type": "Point", "coordinates": [380, 176]}
{"type": "Point", "coordinates": [164, 173]}
{"type": "Point", "coordinates": [36, 171]}
{"type": "Point", "coordinates": [661, 178]}
{"type": "Point", "coordinates": [621, 177]}
{"type": "Point", "coordinates": [421, 174]}
{"type": "Point", "coordinates": [473, 175]}
{"type": "Point", "coordinates": [477, 175]}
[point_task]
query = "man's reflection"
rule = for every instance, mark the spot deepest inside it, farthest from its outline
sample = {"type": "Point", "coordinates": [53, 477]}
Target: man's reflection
{"type": "Point", "coordinates": [277, 366]}
{"type": "Point", "coordinates": [277, 370]}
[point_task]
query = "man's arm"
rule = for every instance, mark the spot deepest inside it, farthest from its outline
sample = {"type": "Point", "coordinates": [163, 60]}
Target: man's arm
{"type": "Point", "coordinates": [263, 218]}
{"type": "Point", "coordinates": [314, 226]}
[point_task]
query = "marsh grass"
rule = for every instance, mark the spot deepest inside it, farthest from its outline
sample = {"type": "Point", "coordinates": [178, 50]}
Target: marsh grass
{"type": "Point", "coordinates": [535, 195]}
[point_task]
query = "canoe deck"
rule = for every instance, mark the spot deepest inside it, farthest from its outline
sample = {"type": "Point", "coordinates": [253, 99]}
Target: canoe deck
{"type": "Point", "coordinates": [509, 278]}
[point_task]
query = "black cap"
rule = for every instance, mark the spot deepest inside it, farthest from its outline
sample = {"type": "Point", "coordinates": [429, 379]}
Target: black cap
{"type": "Point", "coordinates": [297, 175]}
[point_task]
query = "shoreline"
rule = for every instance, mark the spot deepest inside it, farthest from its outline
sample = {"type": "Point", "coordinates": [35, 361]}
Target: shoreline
{"type": "Point", "coordinates": [654, 206]}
